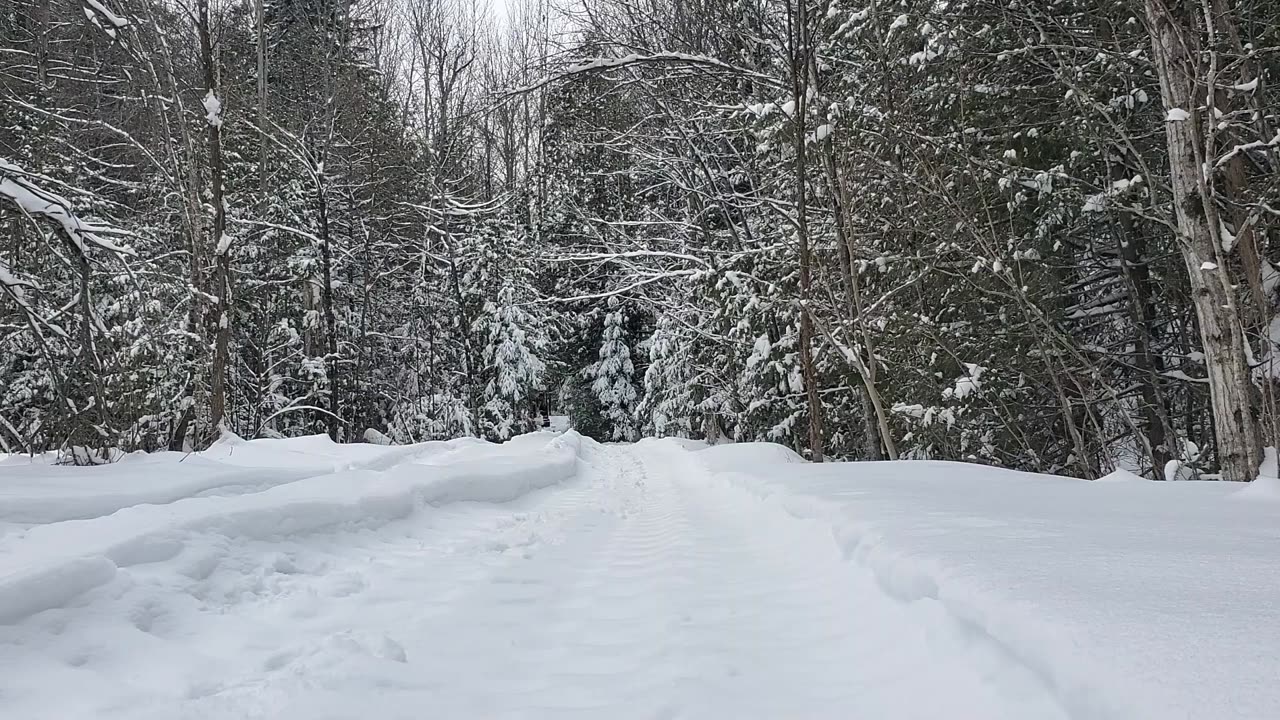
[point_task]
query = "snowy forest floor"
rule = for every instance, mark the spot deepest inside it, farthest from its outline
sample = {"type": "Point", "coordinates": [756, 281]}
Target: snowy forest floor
{"type": "Point", "coordinates": [555, 577]}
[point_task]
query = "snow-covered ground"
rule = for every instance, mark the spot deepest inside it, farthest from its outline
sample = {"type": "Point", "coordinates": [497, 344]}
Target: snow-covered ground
{"type": "Point", "coordinates": [554, 577]}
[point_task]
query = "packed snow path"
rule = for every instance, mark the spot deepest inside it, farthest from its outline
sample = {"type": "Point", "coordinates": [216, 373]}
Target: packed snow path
{"type": "Point", "coordinates": [634, 590]}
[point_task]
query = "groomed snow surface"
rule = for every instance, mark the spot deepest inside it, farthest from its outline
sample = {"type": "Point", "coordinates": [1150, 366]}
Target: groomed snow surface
{"type": "Point", "coordinates": [553, 577]}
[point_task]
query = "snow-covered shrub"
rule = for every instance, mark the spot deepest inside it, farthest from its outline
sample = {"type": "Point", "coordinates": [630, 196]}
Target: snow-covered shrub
{"type": "Point", "coordinates": [436, 417]}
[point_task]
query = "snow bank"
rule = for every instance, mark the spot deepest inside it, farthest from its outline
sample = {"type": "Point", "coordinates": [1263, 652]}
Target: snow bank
{"type": "Point", "coordinates": [1264, 488]}
{"type": "Point", "coordinates": [498, 477]}
{"type": "Point", "coordinates": [1120, 475]}
{"type": "Point", "coordinates": [36, 493]}
{"type": "Point", "coordinates": [22, 459]}
{"type": "Point", "coordinates": [318, 452]}
{"type": "Point", "coordinates": [684, 443]}
{"type": "Point", "coordinates": [33, 492]}
{"type": "Point", "coordinates": [48, 565]}
{"type": "Point", "coordinates": [1267, 486]}
{"type": "Point", "coordinates": [1131, 600]}
{"type": "Point", "coordinates": [745, 456]}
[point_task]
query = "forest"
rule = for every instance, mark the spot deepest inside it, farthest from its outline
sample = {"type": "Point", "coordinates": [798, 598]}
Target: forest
{"type": "Point", "coordinates": [1036, 234]}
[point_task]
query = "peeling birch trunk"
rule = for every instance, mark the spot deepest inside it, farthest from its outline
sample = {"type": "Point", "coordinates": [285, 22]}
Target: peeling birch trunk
{"type": "Point", "coordinates": [1175, 40]}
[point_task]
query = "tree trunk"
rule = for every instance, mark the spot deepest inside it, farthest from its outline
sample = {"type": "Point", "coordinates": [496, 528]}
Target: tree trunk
{"type": "Point", "coordinates": [1132, 249]}
{"type": "Point", "coordinates": [221, 316]}
{"type": "Point", "coordinates": [877, 436]}
{"type": "Point", "coordinates": [186, 175]}
{"type": "Point", "coordinates": [799, 95]}
{"type": "Point", "coordinates": [1175, 40]}
{"type": "Point", "coordinates": [326, 300]}
{"type": "Point", "coordinates": [260, 15]}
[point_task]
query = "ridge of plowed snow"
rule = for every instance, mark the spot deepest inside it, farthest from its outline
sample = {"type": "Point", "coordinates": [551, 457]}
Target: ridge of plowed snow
{"type": "Point", "coordinates": [47, 565]}
{"type": "Point", "coordinates": [33, 493]}
{"type": "Point", "coordinates": [30, 495]}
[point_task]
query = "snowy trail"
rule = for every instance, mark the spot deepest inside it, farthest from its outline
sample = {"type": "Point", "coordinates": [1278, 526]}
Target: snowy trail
{"type": "Point", "coordinates": [641, 588]}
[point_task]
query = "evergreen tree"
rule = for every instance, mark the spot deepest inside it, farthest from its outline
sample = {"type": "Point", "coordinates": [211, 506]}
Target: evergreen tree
{"type": "Point", "coordinates": [515, 372]}
{"type": "Point", "coordinates": [667, 408]}
{"type": "Point", "coordinates": [613, 382]}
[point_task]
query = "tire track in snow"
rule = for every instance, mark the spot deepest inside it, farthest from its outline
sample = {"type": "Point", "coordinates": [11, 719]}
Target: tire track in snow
{"type": "Point", "coordinates": [617, 649]}
{"type": "Point", "coordinates": [696, 602]}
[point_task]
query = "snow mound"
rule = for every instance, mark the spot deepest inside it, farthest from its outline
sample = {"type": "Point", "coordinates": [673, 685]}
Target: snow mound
{"type": "Point", "coordinates": [1264, 488]}
{"type": "Point", "coordinates": [313, 451]}
{"type": "Point", "coordinates": [1120, 475]}
{"type": "Point", "coordinates": [1267, 485]}
{"type": "Point", "coordinates": [688, 444]}
{"type": "Point", "coordinates": [321, 454]}
{"type": "Point", "coordinates": [22, 459]}
{"type": "Point", "coordinates": [747, 456]}
{"type": "Point", "coordinates": [377, 438]}
{"type": "Point", "coordinates": [672, 442]}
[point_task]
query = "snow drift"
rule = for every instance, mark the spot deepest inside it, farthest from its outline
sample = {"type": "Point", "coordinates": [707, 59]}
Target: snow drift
{"type": "Point", "coordinates": [744, 456]}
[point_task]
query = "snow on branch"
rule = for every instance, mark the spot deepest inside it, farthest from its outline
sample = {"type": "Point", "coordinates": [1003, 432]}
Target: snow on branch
{"type": "Point", "coordinates": [292, 409]}
{"type": "Point", "coordinates": [102, 11]}
{"type": "Point", "coordinates": [11, 281]}
{"type": "Point", "coordinates": [17, 187]}
{"type": "Point", "coordinates": [691, 274]}
{"type": "Point", "coordinates": [630, 254]}
{"type": "Point", "coordinates": [1248, 147]}
{"type": "Point", "coordinates": [283, 228]}
{"type": "Point", "coordinates": [660, 58]}
{"type": "Point", "coordinates": [450, 207]}
{"type": "Point", "coordinates": [100, 15]}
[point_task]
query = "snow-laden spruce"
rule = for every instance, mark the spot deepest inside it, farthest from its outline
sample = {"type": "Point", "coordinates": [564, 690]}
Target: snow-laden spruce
{"type": "Point", "coordinates": [667, 407]}
{"type": "Point", "coordinates": [613, 382]}
{"type": "Point", "coordinates": [515, 371]}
